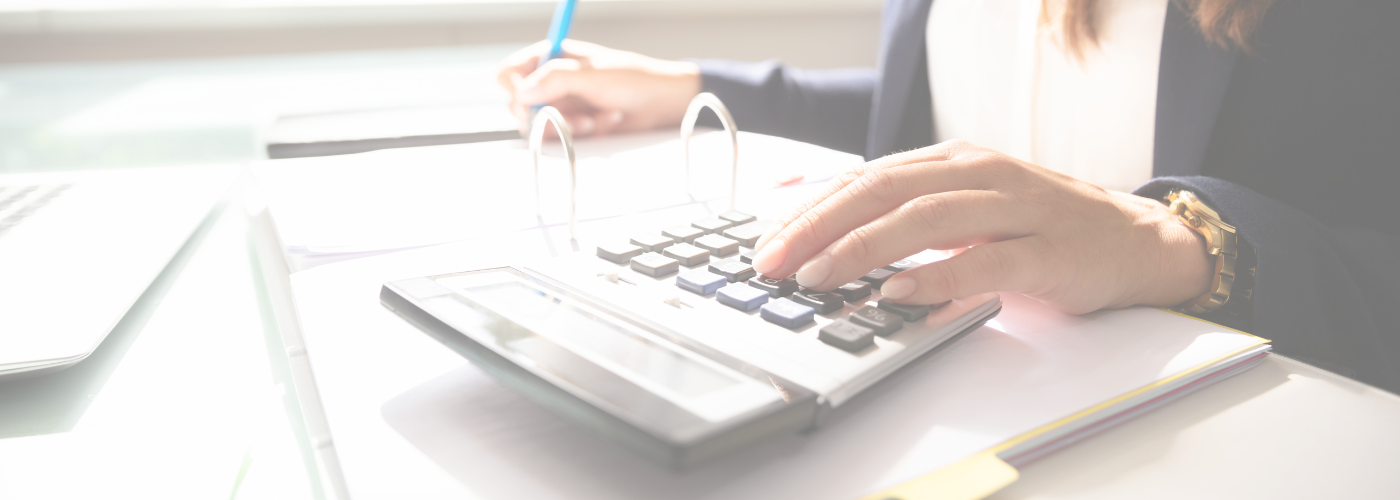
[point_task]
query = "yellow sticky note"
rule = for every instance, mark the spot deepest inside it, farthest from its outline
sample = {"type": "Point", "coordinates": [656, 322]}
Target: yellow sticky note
{"type": "Point", "coordinates": [971, 479]}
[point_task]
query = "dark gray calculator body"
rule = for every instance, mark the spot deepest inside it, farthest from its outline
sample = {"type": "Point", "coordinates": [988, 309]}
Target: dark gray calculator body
{"type": "Point", "coordinates": [632, 347]}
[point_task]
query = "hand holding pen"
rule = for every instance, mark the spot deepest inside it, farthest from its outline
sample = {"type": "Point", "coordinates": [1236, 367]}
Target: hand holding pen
{"type": "Point", "coordinates": [597, 89]}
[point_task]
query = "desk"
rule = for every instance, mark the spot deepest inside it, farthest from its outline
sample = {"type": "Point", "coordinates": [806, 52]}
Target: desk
{"type": "Point", "coordinates": [195, 400]}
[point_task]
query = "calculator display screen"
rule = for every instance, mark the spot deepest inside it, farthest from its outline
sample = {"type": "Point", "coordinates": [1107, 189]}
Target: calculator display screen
{"type": "Point", "coordinates": [554, 333]}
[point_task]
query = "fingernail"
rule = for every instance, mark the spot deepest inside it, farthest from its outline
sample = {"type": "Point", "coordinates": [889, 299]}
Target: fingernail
{"type": "Point", "coordinates": [770, 258]}
{"type": "Point", "coordinates": [768, 236]}
{"type": "Point", "coordinates": [899, 287]}
{"type": "Point", "coordinates": [815, 272]}
{"type": "Point", "coordinates": [613, 118]}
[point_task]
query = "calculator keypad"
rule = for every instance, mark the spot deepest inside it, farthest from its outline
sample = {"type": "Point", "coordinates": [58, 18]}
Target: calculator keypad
{"type": "Point", "coordinates": [652, 242]}
{"type": "Point", "coordinates": [683, 234]}
{"type": "Point", "coordinates": [700, 281]}
{"type": "Point", "coordinates": [786, 313]}
{"type": "Point", "coordinates": [733, 270]}
{"type": "Point", "coordinates": [712, 225]}
{"type": "Point", "coordinates": [747, 235]}
{"type": "Point", "coordinates": [877, 277]}
{"type": "Point", "coordinates": [854, 291]}
{"type": "Point", "coordinates": [742, 297]}
{"type": "Point", "coordinates": [689, 255]}
{"type": "Point", "coordinates": [718, 246]}
{"type": "Point", "coordinates": [776, 287]}
{"type": "Point", "coordinates": [906, 311]}
{"type": "Point", "coordinates": [881, 321]}
{"type": "Point", "coordinates": [619, 253]}
{"type": "Point", "coordinates": [654, 264]}
{"type": "Point", "coordinates": [693, 258]}
{"type": "Point", "coordinates": [823, 302]}
{"type": "Point", "coordinates": [847, 335]}
{"type": "Point", "coordinates": [737, 218]}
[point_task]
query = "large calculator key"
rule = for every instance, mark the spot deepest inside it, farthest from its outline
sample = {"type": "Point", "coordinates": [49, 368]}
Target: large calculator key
{"type": "Point", "coordinates": [700, 281]}
{"type": "Point", "coordinates": [683, 234]}
{"type": "Point", "coordinates": [747, 257]}
{"type": "Point", "coordinates": [712, 225]}
{"type": "Point", "coordinates": [854, 290]}
{"type": "Point", "coordinates": [718, 246]}
{"type": "Point", "coordinates": [689, 255]}
{"type": "Point", "coordinates": [652, 242]}
{"type": "Point", "coordinates": [906, 311]}
{"type": "Point", "coordinates": [737, 218]}
{"type": "Point", "coordinates": [618, 253]}
{"type": "Point", "coordinates": [883, 322]}
{"type": "Point", "coordinates": [823, 302]}
{"type": "Point", "coordinates": [877, 277]}
{"type": "Point", "coordinates": [776, 287]}
{"type": "Point", "coordinates": [733, 270]}
{"type": "Point", "coordinates": [741, 297]}
{"type": "Point", "coordinates": [846, 335]}
{"type": "Point", "coordinates": [746, 234]}
{"type": "Point", "coordinates": [786, 313]}
{"type": "Point", "coordinates": [902, 265]}
{"type": "Point", "coordinates": [654, 264]}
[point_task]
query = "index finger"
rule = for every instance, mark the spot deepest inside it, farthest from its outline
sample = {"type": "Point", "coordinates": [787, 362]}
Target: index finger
{"type": "Point", "coordinates": [520, 63]}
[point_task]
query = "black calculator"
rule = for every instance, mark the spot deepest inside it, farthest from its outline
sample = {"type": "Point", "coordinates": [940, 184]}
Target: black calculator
{"type": "Point", "coordinates": [668, 341]}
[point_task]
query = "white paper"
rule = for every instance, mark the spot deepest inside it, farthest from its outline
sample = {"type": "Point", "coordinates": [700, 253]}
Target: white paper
{"type": "Point", "coordinates": [405, 198]}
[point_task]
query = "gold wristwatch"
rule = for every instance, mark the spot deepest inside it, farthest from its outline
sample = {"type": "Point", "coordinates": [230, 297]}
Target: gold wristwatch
{"type": "Point", "coordinates": [1222, 242]}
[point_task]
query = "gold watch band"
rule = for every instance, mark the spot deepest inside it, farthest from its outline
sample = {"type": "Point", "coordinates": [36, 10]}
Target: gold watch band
{"type": "Point", "coordinates": [1221, 242]}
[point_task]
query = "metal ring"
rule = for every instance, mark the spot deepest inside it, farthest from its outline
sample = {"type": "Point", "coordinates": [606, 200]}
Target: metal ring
{"type": "Point", "coordinates": [550, 115]}
{"type": "Point", "coordinates": [706, 99]}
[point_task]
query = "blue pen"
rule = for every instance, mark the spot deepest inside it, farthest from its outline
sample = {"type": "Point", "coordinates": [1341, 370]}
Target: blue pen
{"type": "Point", "coordinates": [558, 31]}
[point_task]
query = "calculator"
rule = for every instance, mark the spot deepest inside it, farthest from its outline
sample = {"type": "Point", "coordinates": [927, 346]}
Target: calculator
{"type": "Point", "coordinates": [670, 343]}
{"type": "Point", "coordinates": [667, 341]}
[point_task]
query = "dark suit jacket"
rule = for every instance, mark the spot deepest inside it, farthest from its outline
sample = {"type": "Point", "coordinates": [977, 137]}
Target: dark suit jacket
{"type": "Point", "coordinates": [1293, 142]}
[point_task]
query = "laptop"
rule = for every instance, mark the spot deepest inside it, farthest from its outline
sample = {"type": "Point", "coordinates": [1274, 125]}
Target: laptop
{"type": "Point", "coordinates": [78, 248]}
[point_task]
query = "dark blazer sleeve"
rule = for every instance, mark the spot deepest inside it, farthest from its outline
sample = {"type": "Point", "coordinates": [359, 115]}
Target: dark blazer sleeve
{"type": "Point", "coordinates": [1326, 295]}
{"type": "Point", "coordinates": [829, 108]}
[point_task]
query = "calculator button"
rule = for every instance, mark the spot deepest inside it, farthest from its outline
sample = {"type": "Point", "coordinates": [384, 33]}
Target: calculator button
{"type": "Point", "coordinates": [747, 257]}
{"type": "Point", "coordinates": [746, 234]}
{"type": "Point", "coordinates": [906, 311]}
{"type": "Point", "coordinates": [654, 264]}
{"type": "Point", "coordinates": [741, 297]}
{"type": "Point", "coordinates": [683, 234]}
{"type": "Point", "coordinates": [880, 320]}
{"type": "Point", "coordinates": [737, 218]}
{"type": "Point", "coordinates": [776, 287]}
{"type": "Point", "coordinates": [689, 255]}
{"type": "Point", "coordinates": [902, 265]}
{"type": "Point", "coordinates": [618, 253]}
{"type": "Point", "coordinates": [712, 225]}
{"type": "Point", "coordinates": [652, 242]}
{"type": "Point", "coordinates": [700, 281]}
{"type": "Point", "coordinates": [823, 302]}
{"type": "Point", "coordinates": [718, 246]}
{"type": "Point", "coordinates": [877, 277]}
{"type": "Point", "coordinates": [733, 270]}
{"type": "Point", "coordinates": [846, 335]}
{"type": "Point", "coordinates": [786, 313]}
{"type": "Point", "coordinates": [854, 290]}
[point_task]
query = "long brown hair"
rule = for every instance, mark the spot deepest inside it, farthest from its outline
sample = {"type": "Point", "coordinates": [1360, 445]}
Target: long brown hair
{"type": "Point", "coordinates": [1224, 22]}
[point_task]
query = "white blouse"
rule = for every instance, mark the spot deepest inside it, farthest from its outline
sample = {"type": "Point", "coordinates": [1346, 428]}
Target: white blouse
{"type": "Point", "coordinates": [1001, 80]}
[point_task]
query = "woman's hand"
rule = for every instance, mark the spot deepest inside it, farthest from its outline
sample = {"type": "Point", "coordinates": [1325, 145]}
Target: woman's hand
{"type": "Point", "coordinates": [599, 90]}
{"type": "Point", "coordinates": [1066, 242]}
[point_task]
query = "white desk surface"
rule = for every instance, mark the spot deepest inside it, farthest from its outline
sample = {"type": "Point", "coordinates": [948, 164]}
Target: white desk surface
{"type": "Point", "coordinates": [196, 402]}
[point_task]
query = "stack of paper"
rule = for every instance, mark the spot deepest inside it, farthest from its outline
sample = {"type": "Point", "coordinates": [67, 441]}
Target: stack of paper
{"type": "Point", "coordinates": [333, 208]}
